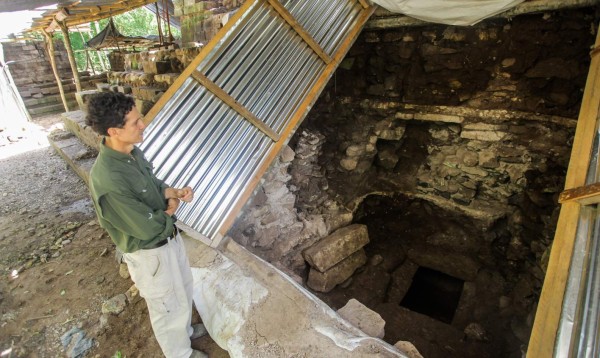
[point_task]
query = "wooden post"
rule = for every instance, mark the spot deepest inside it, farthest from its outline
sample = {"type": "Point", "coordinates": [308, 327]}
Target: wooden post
{"type": "Point", "coordinates": [160, 35]}
{"type": "Point", "coordinates": [549, 310]}
{"type": "Point", "coordinates": [67, 41]}
{"type": "Point", "coordinates": [50, 48]}
{"type": "Point", "coordinates": [100, 55]}
{"type": "Point", "coordinates": [89, 63]}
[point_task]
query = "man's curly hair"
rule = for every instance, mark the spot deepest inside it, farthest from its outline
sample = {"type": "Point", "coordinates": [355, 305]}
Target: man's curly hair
{"type": "Point", "coordinates": [107, 110]}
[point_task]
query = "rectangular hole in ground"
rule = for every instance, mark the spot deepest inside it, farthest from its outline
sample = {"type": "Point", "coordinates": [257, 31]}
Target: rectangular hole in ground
{"type": "Point", "coordinates": [434, 294]}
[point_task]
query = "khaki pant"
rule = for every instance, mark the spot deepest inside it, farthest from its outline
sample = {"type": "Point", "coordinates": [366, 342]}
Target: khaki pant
{"type": "Point", "coordinates": [164, 279]}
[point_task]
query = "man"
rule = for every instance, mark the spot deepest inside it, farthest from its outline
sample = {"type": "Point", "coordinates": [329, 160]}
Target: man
{"type": "Point", "coordinates": [136, 209]}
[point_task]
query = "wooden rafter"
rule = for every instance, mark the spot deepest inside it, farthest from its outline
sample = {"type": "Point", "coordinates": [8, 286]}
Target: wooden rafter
{"type": "Point", "coordinates": [79, 13]}
{"type": "Point", "coordinates": [282, 11]}
{"type": "Point", "coordinates": [231, 102]}
{"type": "Point", "coordinates": [364, 3]}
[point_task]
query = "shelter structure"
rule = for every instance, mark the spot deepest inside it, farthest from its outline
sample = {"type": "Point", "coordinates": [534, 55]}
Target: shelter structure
{"type": "Point", "coordinates": [248, 143]}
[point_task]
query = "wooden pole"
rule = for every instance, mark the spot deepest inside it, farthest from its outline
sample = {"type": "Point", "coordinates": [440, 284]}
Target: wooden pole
{"type": "Point", "coordinates": [87, 55]}
{"type": "Point", "coordinates": [100, 55]}
{"type": "Point", "coordinates": [50, 49]}
{"type": "Point", "coordinates": [166, 8]}
{"type": "Point", "coordinates": [67, 41]}
{"type": "Point", "coordinates": [160, 36]}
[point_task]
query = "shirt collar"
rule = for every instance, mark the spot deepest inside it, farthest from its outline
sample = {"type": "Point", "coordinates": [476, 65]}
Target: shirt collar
{"type": "Point", "coordinates": [107, 151]}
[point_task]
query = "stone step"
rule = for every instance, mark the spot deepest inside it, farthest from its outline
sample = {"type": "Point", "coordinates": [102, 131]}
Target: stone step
{"type": "Point", "coordinates": [51, 99]}
{"type": "Point", "coordinates": [75, 123]}
{"type": "Point", "coordinates": [38, 110]}
{"type": "Point", "coordinates": [79, 156]}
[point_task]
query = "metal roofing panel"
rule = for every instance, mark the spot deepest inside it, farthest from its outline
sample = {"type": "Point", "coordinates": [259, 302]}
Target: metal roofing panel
{"type": "Point", "coordinates": [223, 122]}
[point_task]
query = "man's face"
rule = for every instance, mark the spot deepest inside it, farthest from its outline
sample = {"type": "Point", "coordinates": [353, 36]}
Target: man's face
{"type": "Point", "coordinates": [133, 130]}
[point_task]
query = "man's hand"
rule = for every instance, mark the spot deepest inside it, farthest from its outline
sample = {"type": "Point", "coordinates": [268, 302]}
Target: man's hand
{"type": "Point", "coordinates": [172, 205]}
{"type": "Point", "coordinates": [186, 194]}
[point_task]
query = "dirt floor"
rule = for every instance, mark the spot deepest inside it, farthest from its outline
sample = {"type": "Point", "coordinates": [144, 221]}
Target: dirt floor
{"type": "Point", "coordinates": [58, 265]}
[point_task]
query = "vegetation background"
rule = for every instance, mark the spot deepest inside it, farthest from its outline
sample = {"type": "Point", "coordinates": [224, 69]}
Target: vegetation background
{"type": "Point", "coordinates": [137, 22]}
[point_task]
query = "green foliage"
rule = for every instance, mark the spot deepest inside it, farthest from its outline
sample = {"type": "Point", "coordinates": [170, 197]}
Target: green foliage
{"type": "Point", "coordinates": [137, 22]}
{"type": "Point", "coordinates": [118, 354]}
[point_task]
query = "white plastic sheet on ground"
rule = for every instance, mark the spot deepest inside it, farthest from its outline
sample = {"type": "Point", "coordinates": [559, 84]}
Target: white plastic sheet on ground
{"type": "Point", "coordinates": [450, 12]}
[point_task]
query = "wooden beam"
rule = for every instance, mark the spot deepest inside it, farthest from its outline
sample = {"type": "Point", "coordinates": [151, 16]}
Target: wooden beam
{"type": "Point", "coordinates": [67, 41]}
{"type": "Point", "coordinates": [75, 19]}
{"type": "Point", "coordinates": [364, 3]}
{"type": "Point", "coordinates": [547, 319]}
{"type": "Point", "coordinates": [51, 54]}
{"type": "Point", "coordinates": [310, 41]}
{"type": "Point", "coordinates": [308, 102]}
{"type": "Point", "coordinates": [584, 195]}
{"type": "Point", "coordinates": [231, 102]}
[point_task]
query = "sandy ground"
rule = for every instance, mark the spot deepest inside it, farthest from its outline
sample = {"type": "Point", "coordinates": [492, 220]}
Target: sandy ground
{"type": "Point", "coordinates": [58, 265]}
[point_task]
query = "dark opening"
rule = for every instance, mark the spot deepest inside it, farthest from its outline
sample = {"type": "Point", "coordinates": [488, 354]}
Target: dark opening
{"type": "Point", "coordinates": [434, 294]}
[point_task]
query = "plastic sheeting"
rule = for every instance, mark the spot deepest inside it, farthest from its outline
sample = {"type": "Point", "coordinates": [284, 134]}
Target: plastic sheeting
{"type": "Point", "coordinates": [450, 12]}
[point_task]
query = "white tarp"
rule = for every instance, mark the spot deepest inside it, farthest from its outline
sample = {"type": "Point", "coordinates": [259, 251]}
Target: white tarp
{"type": "Point", "coordinates": [450, 12]}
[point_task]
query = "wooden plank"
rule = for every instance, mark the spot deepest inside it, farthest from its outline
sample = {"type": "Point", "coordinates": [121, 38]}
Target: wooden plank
{"type": "Point", "coordinates": [310, 41]}
{"type": "Point", "coordinates": [247, 7]}
{"type": "Point", "coordinates": [364, 3]}
{"type": "Point", "coordinates": [586, 126]}
{"type": "Point", "coordinates": [584, 195]}
{"type": "Point", "coordinates": [231, 102]}
{"type": "Point", "coordinates": [547, 319]}
{"type": "Point", "coordinates": [295, 121]}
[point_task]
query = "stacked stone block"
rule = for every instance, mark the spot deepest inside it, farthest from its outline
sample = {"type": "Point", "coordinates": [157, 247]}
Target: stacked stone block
{"type": "Point", "coordinates": [32, 73]}
{"type": "Point", "coordinates": [147, 75]}
{"type": "Point", "coordinates": [334, 258]}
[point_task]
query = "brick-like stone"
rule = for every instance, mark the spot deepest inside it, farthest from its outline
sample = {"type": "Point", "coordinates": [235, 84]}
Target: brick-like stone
{"type": "Point", "coordinates": [486, 136]}
{"type": "Point", "coordinates": [434, 117]}
{"type": "Point", "coordinates": [124, 89]}
{"type": "Point", "coordinates": [334, 248]}
{"type": "Point", "coordinates": [326, 281]}
{"type": "Point", "coordinates": [363, 318]}
{"type": "Point", "coordinates": [156, 67]}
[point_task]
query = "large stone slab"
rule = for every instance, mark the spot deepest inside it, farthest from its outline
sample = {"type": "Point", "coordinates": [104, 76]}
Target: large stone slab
{"type": "Point", "coordinates": [326, 281]}
{"type": "Point", "coordinates": [364, 318]}
{"type": "Point", "coordinates": [334, 248]}
{"type": "Point", "coordinates": [252, 309]}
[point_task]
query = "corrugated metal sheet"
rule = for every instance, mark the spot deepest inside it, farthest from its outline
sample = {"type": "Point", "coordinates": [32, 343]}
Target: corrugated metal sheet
{"type": "Point", "coordinates": [222, 123]}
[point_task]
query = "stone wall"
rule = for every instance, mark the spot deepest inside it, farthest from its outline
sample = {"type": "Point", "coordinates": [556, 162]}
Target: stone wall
{"type": "Point", "coordinates": [33, 75]}
{"type": "Point", "coordinates": [535, 63]}
{"type": "Point", "coordinates": [476, 120]}
{"type": "Point", "coordinates": [466, 117]}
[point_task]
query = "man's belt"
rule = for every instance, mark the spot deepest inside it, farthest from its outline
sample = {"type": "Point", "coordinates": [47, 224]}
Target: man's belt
{"type": "Point", "coordinates": [165, 241]}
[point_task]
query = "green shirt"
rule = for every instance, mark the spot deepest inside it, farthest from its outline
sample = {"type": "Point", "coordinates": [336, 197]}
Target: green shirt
{"type": "Point", "coordinates": [129, 200]}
